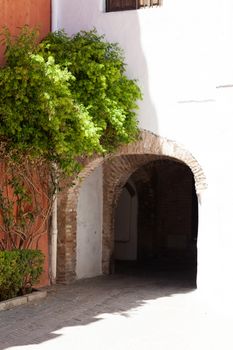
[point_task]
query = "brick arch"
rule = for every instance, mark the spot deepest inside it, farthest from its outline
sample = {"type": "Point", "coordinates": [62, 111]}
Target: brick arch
{"type": "Point", "coordinates": [117, 169]}
{"type": "Point", "coordinates": [152, 144]}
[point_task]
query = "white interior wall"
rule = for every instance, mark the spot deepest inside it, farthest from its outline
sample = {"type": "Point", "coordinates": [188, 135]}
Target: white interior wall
{"type": "Point", "coordinates": [182, 55]}
{"type": "Point", "coordinates": [89, 226]}
{"type": "Point", "coordinates": [126, 226]}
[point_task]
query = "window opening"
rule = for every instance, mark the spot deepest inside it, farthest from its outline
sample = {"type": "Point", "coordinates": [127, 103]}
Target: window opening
{"type": "Point", "coordinates": [123, 5]}
{"type": "Point", "coordinates": [148, 3]}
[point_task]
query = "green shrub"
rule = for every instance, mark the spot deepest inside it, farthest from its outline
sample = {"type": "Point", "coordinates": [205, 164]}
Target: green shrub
{"type": "Point", "coordinates": [38, 114]}
{"type": "Point", "coordinates": [60, 101]}
{"type": "Point", "coordinates": [19, 271]}
{"type": "Point", "coordinates": [65, 98]}
{"type": "Point", "coordinates": [100, 83]}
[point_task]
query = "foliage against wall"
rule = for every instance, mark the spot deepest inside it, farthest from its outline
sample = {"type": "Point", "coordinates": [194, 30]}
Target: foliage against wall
{"type": "Point", "coordinates": [59, 100]}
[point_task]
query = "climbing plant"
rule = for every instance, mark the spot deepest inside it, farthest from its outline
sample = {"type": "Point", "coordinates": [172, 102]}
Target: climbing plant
{"type": "Point", "coordinates": [39, 116]}
{"type": "Point", "coordinates": [25, 203]}
{"type": "Point", "coordinates": [100, 83]}
{"type": "Point", "coordinates": [60, 100]}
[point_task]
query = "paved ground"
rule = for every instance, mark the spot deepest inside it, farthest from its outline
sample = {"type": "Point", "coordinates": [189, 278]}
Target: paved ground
{"type": "Point", "coordinates": [117, 313]}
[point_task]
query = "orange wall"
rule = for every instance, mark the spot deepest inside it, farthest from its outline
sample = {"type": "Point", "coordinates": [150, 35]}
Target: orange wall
{"type": "Point", "coordinates": [35, 13]}
{"type": "Point", "coordinates": [39, 226]}
{"type": "Point", "coordinates": [17, 13]}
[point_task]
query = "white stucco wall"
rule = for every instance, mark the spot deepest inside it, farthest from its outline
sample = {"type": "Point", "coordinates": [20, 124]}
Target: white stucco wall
{"type": "Point", "coordinates": [89, 226]}
{"type": "Point", "coordinates": [182, 54]}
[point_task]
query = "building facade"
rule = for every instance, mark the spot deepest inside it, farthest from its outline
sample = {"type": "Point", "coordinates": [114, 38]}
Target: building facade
{"type": "Point", "coordinates": [181, 54]}
{"type": "Point", "coordinates": [170, 193]}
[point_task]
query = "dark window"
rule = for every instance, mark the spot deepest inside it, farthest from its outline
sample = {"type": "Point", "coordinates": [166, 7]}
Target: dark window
{"type": "Point", "coordinates": [122, 5]}
{"type": "Point", "coordinates": [149, 3]}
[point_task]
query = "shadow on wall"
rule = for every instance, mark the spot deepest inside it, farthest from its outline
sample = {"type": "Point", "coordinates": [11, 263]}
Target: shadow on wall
{"type": "Point", "coordinates": [125, 28]}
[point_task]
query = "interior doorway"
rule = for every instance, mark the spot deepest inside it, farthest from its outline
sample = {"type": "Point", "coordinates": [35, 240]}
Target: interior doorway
{"type": "Point", "coordinates": [156, 221]}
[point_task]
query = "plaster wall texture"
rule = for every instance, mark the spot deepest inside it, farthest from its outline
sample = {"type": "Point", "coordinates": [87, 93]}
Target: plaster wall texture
{"type": "Point", "coordinates": [182, 55]}
{"type": "Point", "coordinates": [16, 14]}
{"type": "Point", "coordinates": [89, 226]}
{"type": "Point", "coordinates": [126, 226]}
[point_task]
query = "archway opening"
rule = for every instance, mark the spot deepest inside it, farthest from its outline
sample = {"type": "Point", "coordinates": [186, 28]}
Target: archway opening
{"type": "Point", "coordinates": [115, 171]}
{"type": "Point", "coordinates": [156, 221]}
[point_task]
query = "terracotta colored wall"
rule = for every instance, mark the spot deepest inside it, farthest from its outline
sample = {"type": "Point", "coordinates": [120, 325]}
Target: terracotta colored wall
{"type": "Point", "coordinates": [16, 13]}
{"type": "Point", "coordinates": [39, 226]}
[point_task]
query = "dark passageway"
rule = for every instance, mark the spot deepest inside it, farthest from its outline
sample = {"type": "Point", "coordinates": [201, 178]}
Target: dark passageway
{"type": "Point", "coordinates": [156, 222]}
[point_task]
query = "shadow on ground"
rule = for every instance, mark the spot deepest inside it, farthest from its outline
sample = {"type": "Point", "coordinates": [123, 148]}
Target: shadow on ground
{"type": "Point", "coordinates": [85, 301]}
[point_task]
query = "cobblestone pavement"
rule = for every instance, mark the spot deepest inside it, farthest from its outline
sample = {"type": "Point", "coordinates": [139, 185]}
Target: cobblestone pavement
{"type": "Point", "coordinates": [118, 312]}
